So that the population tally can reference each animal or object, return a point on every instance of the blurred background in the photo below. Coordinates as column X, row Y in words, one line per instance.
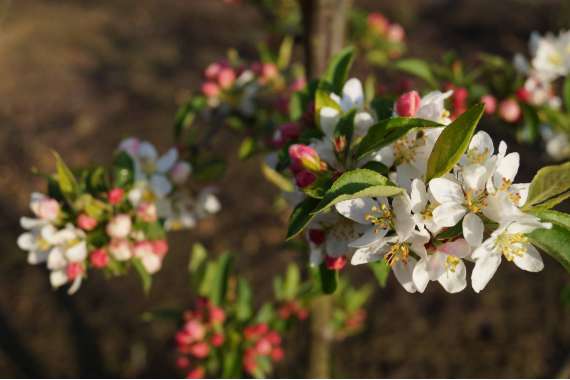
column 77, row 76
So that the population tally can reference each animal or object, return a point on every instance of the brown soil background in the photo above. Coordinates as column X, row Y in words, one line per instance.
column 78, row 76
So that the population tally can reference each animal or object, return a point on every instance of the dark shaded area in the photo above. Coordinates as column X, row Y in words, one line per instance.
column 78, row 76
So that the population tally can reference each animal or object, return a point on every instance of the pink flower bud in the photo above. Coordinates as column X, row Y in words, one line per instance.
column 396, row 33
column 335, row 263
column 160, row 247
column 490, row 103
column 274, row 338
column 217, row 340
column 44, row 207
column 120, row 249
column 460, row 95
column 277, row 354
column 523, row 95
column 210, row 89
column 143, row 248
column 408, row 104
column 115, row 196
column 86, row 222
column 73, row 271
column 305, row 178
column 130, row 145
column 146, row 211
column 263, row 347
column 212, row 71
column 119, row 227
column 268, row 71
column 227, row 77
column 217, row 315
column 316, row 236
column 510, row 110
column 304, row 157
column 200, row 350
column 298, row 85
column 196, row 373
column 378, row 22
column 195, row 330
column 182, row 362
column 99, row 258
column 180, row 172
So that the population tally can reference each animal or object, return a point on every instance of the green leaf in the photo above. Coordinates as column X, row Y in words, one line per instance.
column 383, row 106
column 418, row 68
column 555, row 242
column 146, row 278
column 284, row 55
column 453, row 142
column 97, row 180
column 265, row 313
column 276, row 178
column 65, row 178
column 232, row 364
column 337, row 71
column 197, row 265
column 329, row 279
column 301, row 216
column 292, row 280
column 357, row 183
column 549, row 187
column 566, row 94
column 123, row 170
column 244, row 300
column 378, row 167
column 247, row 148
column 389, row 130
column 381, row 270
column 220, row 280
column 560, row 218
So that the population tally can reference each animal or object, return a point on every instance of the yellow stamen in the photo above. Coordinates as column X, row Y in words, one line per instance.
column 475, row 202
column 451, row 263
column 512, row 245
column 381, row 216
column 398, row 251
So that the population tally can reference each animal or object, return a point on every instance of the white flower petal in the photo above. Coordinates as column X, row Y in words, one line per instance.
column 75, row 286
column 507, row 168
column 352, row 95
column 167, row 161
column 418, row 196
column 357, row 209
column 362, row 123
column 147, row 151
column 473, row 229
column 371, row 236
column 420, row 276
column 531, row 261
column 161, row 186
column 26, row 241
column 474, row 177
column 77, row 252
column 37, row 257
column 484, row 270
column 456, row 281
column 57, row 278
column 446, row 191
column 448, row 215
column 403, row 273
column 329, row 119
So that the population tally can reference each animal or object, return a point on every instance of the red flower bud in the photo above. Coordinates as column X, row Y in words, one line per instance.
column 116, row 195
column 99, row 258
column 490, row 103
column 277, row 354
column 305, row 178
column 86, row 222
column 317, row 236
column 408, row 104
column 335, row 263
column 304, row 157
column 523, row 95
column 510, row 110
column 74, row 270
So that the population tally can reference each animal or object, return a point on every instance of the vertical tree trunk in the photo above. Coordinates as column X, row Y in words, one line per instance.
column 324, row 23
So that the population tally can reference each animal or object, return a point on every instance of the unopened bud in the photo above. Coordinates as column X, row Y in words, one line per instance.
column 335, row 263
column 86, row 222
column 115, row 196
column 408, row 104
column 490, row 103
column 510, row 110
column 304, row 157
column 99, row 258
column 304, row 178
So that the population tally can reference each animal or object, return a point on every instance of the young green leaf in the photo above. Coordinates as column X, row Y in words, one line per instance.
column 247, row 148
column 387, row 131
column 292, row 280
column 323, row 99
column 284, row 55
column 301, row 216
column 555, row 242
column 221, row 278
column 65, row 178
column 418, row 68
column 549, row 187
column 381, row 271
column 123, row 170
column 145, row 277
column 244, row 300
column 453, row 142
column 357, row 183
column 276, row 178
column 197, row 265
column 337, row 72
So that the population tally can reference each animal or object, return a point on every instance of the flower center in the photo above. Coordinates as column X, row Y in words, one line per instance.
column 148, row 166
column 478, row 157
column 380, row 216
column 398, row 251
column 555, row 58
column 43, row 244
column 451, row 263
column 343, row 230
column 405, row 148
column 475, row 202
column 512, row 245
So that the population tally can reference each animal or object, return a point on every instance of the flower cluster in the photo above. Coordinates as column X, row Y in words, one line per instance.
column 380, row 39
column 111, row 224
column 201, row 332
column 292, row 309
column 426, row 230
column 262, row 345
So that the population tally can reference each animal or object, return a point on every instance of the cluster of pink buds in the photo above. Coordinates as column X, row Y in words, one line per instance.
column 219, row 76
column 261, row 342
column 317, row 238
column 353, row 323
column 292, row 309
column 201, row 332
column 381, row 25
column 305, row 164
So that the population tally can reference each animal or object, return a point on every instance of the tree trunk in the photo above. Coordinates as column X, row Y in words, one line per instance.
column 324, row 23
